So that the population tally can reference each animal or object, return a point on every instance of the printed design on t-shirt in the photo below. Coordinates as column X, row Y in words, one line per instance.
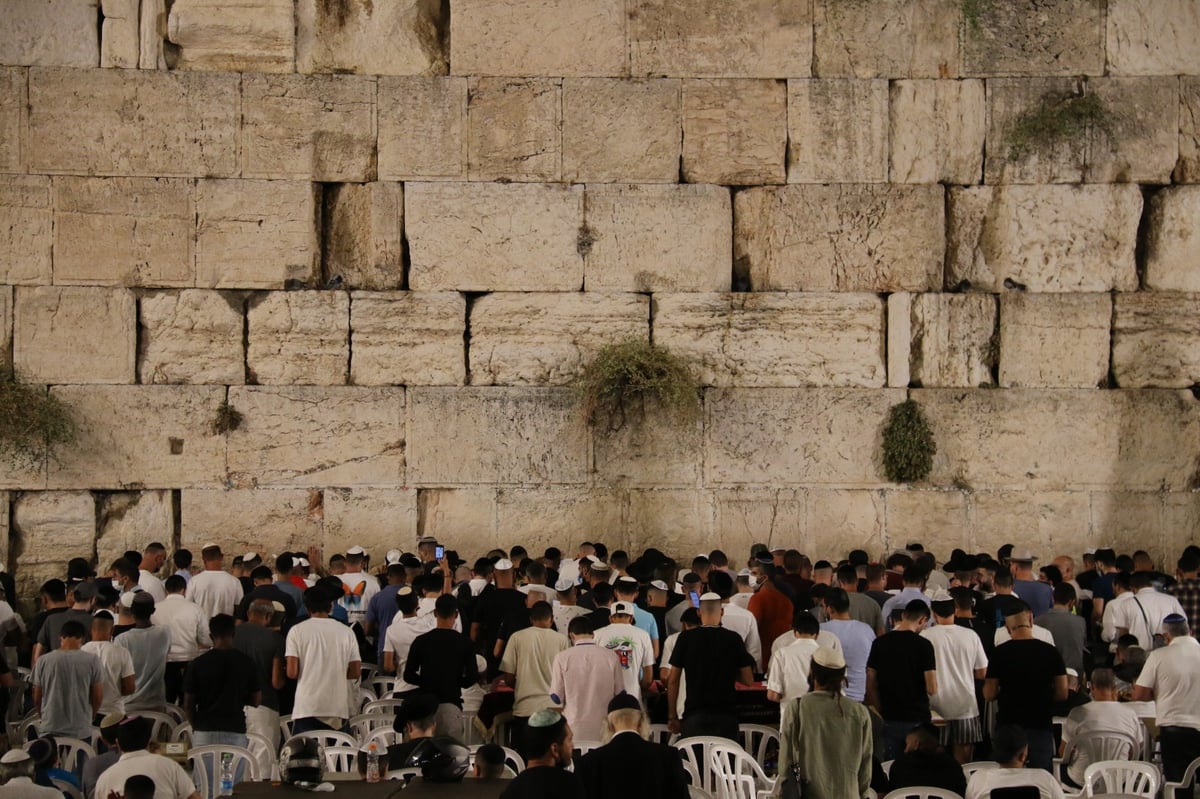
column 354, row 595
column 624, row 649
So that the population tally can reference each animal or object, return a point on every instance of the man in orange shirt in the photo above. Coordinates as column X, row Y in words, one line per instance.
column 770, row 606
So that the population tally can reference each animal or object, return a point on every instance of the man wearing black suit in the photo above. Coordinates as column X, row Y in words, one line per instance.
column 628, row 766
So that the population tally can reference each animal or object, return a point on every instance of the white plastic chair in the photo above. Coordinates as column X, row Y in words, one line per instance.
column 886, row 766
column 362, row 725
column 341, row 759
column 383, row 737
column 368, row 671
column 381, row 685
column 27, row 728
column 67, row 788
column 1132, row 777
column 1186, row 782
column 583, row 747
column 72, row 753
column 662, row 734
column 1097, row 747
column 183, row 733
column 386, row 706
column 263, row 752
column 206, row 761
column 326, row 738
column 176, row 712
column 978, row 765
column 696, row 792
column 737, row 774
column 921, row 792
column 694, row 751
column 365, row 697
column 758, row 740
column 285, row 727
column 162, row 725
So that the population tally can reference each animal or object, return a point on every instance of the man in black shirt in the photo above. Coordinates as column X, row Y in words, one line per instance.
column 416, row 719
column 924, row 763
column 1027, row 676
column 548, row 749
column 442, row 662
column 217, row 687
column 901, row 676
column 713, row 659
column 264, row 646
column 493, row 608
column 995, row 608
column 264, row 588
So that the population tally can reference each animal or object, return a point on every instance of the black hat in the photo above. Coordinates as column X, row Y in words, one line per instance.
column 416, row 706
column 624, row 701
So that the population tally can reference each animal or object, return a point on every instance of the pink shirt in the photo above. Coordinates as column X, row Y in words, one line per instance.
column 585, row 678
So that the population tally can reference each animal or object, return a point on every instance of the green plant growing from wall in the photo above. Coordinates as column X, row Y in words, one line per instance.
column 227, row 419
column 624, row 377
column 908, row 445
column 1057, row 118
column 33, row 422
column 973, row 11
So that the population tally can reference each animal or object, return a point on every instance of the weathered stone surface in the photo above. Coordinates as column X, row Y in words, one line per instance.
column 133, row 520
column 1048, row 522
column 514, row 129
column 192, row 336
column 776, row 339
column 546, row 338
column 141, row 437
column 937, row 130
column 52, row 33
column 250, row 36
column 1156, row 340
column 318, row 127
column 734, row 131
column 152, row 35
column 1188, row 168
column 255, row 234
column 669, row 519
column 899, row 339
column 1045, row 238
column 938, row 519
column 887, row 39
column 1172, row 244
column 75, row 335
column 310, row 436
column 14, row 118
column 264, row 520
column 123, row 231
column 458, row 514
column 363, row 242
column 953, row 339
column 422, row 128
column 1153, row 37
column 844, row 520
column 840, row 238
column 48, row 529
column 657, row 238
column 1057, row 37
column 556, row 517
column 395, row 38
column 1062, row 439
column 377, row 519
column 501, row 436
column 838, row 131
column 651, row 449
column 6, row 326
column 572, row 38
column 1181, row 516
column 493, row 237
column 1054, row 340
column 120, row 38
column 26, row 224
column 1129, row 521
column 1136, row 142
column 80, row 122
column 713, row 38
column 407, row 338
column 744, row 517
column 5, row 515
column 620, row 130
column 299, row 338
column 777, row 436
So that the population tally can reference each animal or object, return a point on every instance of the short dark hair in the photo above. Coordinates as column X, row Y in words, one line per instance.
column 126, row 568
column 541, row 611
column 133, row 734
column 602, row 593
column 408, row 602
column 55, row 589
column 285, row 563
column 690, row 616
column 222, row 625
column 490, row 758
column 445, row 606
column 318, row 600
column 837, row 600
column 139, row 786
column 1004, row 579
column 805, row 623
column 847, row 575
column 72, row 629
column 899, row 561
column 720, row 583
column 1189, row 562
column 915, row 610
column 538, row 740
column 1007, row 742
column 175, row 584
column 914, row 575
column 1063, row 593
column 182, row 558
column 261, row 573
column 580, row 625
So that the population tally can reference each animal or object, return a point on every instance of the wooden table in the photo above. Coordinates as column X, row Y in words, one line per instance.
column 467, row 789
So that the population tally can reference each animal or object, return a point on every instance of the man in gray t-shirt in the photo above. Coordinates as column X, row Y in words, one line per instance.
column 148, row 646
column 68, row 686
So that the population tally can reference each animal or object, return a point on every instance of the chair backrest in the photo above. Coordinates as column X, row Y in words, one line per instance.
column 365, row 697
column 760, row 741
column 285, row 727
column 183, row 733
column 513, row 760
column 386, row 706
column 886, row 766
column 364, row 724
column 264, row 752
column 67, row 788
column 1015, row 792
column 383, row 737
column 27, row 729
column 73, row 753
column 162, row 725
column 381, row 685
column 1186, row 781
column 921, row 792
column 175, row 712
column 206, row 767
column 696, row 792
column 341, row 759
column 694, row 751
column 737, row 774
column 328, row 738
column 1101, row 746
column 977, row 765
column 1121, row 776
column 368, row 671
column 661, row 733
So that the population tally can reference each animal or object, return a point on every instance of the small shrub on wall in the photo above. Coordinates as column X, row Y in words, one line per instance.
column 33, row 422
column 623, row 378
column 908, row 445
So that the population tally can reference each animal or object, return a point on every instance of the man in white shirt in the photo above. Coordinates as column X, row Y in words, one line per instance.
column 214, row 589
column 188, row 624
column 400, row 634
column 565, row 608
column 115, row 662
column 322, row 655
column 153, row 559
column 632, row 645
column 960, row 661
column 1122, row 593
column 16, row 774
column 1171, row 678
column 170, row 780
column 1010, row 747
column 359, row 587
column 787, row 674
column 1143, row 614
column 1104, row 714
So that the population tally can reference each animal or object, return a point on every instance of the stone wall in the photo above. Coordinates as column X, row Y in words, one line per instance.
column 390, row 233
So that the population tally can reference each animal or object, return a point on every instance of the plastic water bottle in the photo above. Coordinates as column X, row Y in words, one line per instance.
column 373, row 764
column 226, row 774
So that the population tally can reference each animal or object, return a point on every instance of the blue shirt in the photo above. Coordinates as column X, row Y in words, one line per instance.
column 645, row 620
column 1039, row 596
column 380, row 611
column 901, row 600
column 289, row 588
column 856, row 638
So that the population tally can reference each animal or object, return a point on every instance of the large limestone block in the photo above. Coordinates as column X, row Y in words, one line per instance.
column 361, row 36
column 422, row 128
column 1156, row 340
column 48, row 529
column 255, row 234
column 1181, row 517
column 152, row 35
column 937, row 519
column 1153, row 37
column 243, row 520
column 557, row 517
column 841, row 520
column 463, row 517
column 52, row 33
column 123, row 231
column 299, row 338
column 247, row 36
column 776, row 339
column 120, row 36
column 837, row 131
column 734, row 131
column 620, row 130
column 657, row 238
column 546, row 338
column 131, row 521
column 5, row 515
column 1129, row 521
column 648, row 448
column 748, row 516
column 514, row 129
column 127, row 122
column 377, row 519
column 550, row 38
column 1043, row 238
column 192, row 336
column 1048, row 522
column 674, row 520
column 1136, row 141
column 937, row 131
column 1172, row 243
column 1055, row 37
column 75, row 335
column 716, row 39
column 953, row 339
column 26, row 230
column 309, row 436
column 407, row 338
column 887, row 38
column 779, row 436
column 1054, row 340
column 1061, row 439
column 840, row 238
column 1188, row 168
column 500, row 435
column 362, row 241
column 6, row 326
column 318, row 127
column 141, row 437
column 493, row 237
column 14, row 118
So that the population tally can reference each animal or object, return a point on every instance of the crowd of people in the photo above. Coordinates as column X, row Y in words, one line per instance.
column 869, row 662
